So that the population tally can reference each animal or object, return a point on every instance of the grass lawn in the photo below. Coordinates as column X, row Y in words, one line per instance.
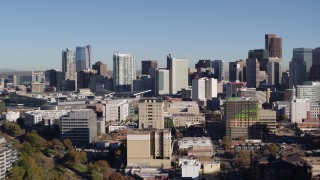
column 79, row 167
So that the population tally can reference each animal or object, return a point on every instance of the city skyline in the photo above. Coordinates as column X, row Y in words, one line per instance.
column 35, row 33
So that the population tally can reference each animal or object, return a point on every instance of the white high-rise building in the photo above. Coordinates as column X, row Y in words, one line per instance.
column 124, row 72
column 178, row 73
column 204, row 88
column 162, row 81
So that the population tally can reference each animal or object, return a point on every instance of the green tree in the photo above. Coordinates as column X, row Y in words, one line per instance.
column 33, row 171
column 17, row 172
column 2, row 107
column 12, row 129
column 27, row 149
column 36, row 140
column 82, row 156
column 56, row 144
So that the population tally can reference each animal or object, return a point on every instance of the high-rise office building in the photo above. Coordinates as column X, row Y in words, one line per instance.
column 162, row 81
column 298, row 65
column 204, row 88
column 83, row 58
column 147, row 65
column 218, row 66
column 149, row 147
column 85, row 76
column 315, row 68
column 274, row 71
column 101, row 68
column 204, row 63
column 80, row 126
column 237, row 71
column 255, row 77
column 124, row 72
column 69, row 73
column 241, row 114
column 261, row 55
column 178, row 73
column 54, row 77
column 151, row 113
column 274, row 45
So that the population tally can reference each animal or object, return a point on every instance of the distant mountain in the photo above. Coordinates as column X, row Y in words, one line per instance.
column 6, row 70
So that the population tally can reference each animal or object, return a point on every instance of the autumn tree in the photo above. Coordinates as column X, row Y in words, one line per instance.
column 243, row 159
column 12, row 129
column 272, row 148
column 226, row 142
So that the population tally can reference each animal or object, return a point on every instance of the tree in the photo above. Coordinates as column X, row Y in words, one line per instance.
column 12, row 129
column 82, row 156
column 243, row 159
column 36, row 140
column 56, row 144
column 33, row 171
column 17, row 172
column 2, row 107
column 68, row 144
column 226, row 141
column 272, row 148
column 27, row 149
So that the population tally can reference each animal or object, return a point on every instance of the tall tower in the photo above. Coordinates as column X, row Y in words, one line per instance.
column 218, row 66
column 83, row 57
column 315, row 68
column 178, row 73
column 274, row 45
column 69, row 80
column 147, row 65
column 124, row 72
column 299, row 65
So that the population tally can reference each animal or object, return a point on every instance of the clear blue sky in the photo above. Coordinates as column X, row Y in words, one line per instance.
column 33, row 33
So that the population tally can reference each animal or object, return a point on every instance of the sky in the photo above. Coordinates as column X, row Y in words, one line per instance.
column 33, row 33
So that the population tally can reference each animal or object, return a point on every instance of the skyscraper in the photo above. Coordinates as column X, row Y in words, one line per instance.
column 101, row 68
column 274, row 45
column 69, row 75
column 85, row 76
column 218, row 66
column 315, row 68
column 83, row 57
column 124, row 72
column 162, row 85
column 237, row 71
column 204, row 88
column 255, row 77
column 298, row 65
column 147, row 65
column 261, row 55
column 178, row 73
column 274, row 71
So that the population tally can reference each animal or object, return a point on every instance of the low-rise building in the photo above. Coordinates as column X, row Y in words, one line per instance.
column 149, row 147
column 10, row 116
column 182, row 120
column 193, row 142
column 45, row 117
column 190, row 167
column 117, row 110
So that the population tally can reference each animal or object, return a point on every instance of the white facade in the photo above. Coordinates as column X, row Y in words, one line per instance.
column 311, row 92
column 188, row 142
column 299, row 110
column 112, row 128
column 162, row 81
column 204, row 88
column 37, row 116
column 124, row 72
column 190, row 168
column 183, row 120
column 10, row 116
column 117, row 110
column 178, row 74
column 8, row 155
